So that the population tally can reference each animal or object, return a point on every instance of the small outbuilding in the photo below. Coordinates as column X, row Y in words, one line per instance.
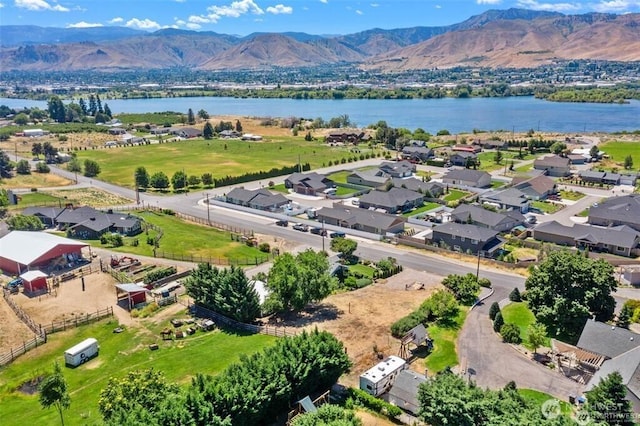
column 34, row 281
column 129, row 295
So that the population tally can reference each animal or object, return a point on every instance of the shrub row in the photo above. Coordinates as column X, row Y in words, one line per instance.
column 159, row 274
column 359, row 398
column 249, row 177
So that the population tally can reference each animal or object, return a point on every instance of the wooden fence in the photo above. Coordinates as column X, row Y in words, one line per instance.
column 220, row 319
column 26, row 346
column 24, row 317
column 76, row 321
column 235, row 261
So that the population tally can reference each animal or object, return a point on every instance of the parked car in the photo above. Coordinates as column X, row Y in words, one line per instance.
column 337, row 235
column 319, row 231
column 301, row 227
column 284, row 223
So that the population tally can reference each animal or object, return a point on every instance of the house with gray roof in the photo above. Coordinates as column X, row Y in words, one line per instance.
column 259, row 199
column 476, row 215
column 430, row 189
column 553, row 165
column 507, row 199
column 591, row 176
column 308, row 183
column 397, row 169
column 361, row 219
column 404, row 391
column 467, row 238
column 372, row 178
column 392, row 201
column 417, row 153
column 615, row 211
column 47, row 215
column 89, row 223
column 463, row 158
column 620, row 240
column 467, row 177
column 537, row 187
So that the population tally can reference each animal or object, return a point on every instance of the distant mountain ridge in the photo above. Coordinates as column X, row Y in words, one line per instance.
column 496, row 38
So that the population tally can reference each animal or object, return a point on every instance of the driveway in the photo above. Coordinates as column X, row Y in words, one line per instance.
column 491, row 363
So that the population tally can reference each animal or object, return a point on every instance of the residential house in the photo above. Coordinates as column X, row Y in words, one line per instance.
column 89, row 223
column 611, row 179
column 259, row 199
column 621, row 240
column 615, row 211
column 398, row 169
column 188, row 132
column 117, row 131
column 463, row 158
column 308, row 183
column 47, row 215
column 577, row 159
column 553, row 165
column 417, row 153
column 393, row 201
column 476, row 215
column 537, row 187
column 467, row 177
column 429, row 189
column 591, row 176
column 371, row 178
column 404, row 391
column 361, row 219
column 159, row 130
column 229, row 134
column 345, row 137
column 492, row 144
column 251, row 137
column 467, row 148
column 467, row 238
column 628, row 179
column 507, row 199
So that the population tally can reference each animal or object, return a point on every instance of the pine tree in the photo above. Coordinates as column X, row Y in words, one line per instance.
column 493, row 310
column 207, row 132
column 514, row 296
column 191, row 118
column 498, row 322
column 606, row 402
column 624, row 317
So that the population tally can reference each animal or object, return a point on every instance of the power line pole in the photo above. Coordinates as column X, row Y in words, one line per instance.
column 207, row 201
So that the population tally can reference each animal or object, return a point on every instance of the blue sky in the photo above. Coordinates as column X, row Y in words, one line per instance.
column 242, row 17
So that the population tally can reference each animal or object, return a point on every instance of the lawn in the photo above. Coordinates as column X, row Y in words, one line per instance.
column 427, row 206
column 518, row 313
column 119, row 354
column 524, row 168
column 93, row 197
column 546, row 207
column 583, row 213
column 219, row 157
column 538, row 398
column 340, row 177
column 184, row 238
column 497, row 184
column 455, row 194
column 36, row 199
column 365, row 270
column 279, row 188
column 444, row 338
column 618, row 151
column 571, row 195
column 35, row 180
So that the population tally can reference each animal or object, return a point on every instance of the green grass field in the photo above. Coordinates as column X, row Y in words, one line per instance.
column 617, row 151
column 538, row 398
column 340, row 177
column 184, row 238
column 571, row 195
column 119, row 353
column 444, row 343
column 454, row 195
column 546, row 206
column 518, row 313
column 220, row 158
column 365, row 270
column 36, row 199
column 427, row 206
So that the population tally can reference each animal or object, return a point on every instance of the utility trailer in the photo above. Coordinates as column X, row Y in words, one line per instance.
column 82, row 352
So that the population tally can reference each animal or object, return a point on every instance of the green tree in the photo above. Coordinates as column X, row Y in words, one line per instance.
column 346, row 247
column 23, row 167
column 50, row 152
column 238, row 126
column 567, row 288
column 497, row 157
column 510, row 333
column 628, row 162
column 21, row 222
column 159, row 180
column 624, row 317
column 191, row 118
column 56, row 109
column 328, row 415
column 498, row 322
column 36, row 149
column 607, row 403
column 226, row 291
column 203, row 114
column 464, row 287
column 594, row 151
column 193, row 180
column 179, row 180
column 141, row 177
column 107, row 111
column 207, row 131
column 21, row 119
column 294, row 282
column 536, row 335
column 53, row 392
column 5, row 165
column 493, row 310
column 558, row 147
column 207, row 179
column 515, row 296
column 42, row 167
column 74, row 165
column 91, row 168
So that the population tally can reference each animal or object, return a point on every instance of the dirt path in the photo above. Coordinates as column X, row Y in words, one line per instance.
column 13, row 332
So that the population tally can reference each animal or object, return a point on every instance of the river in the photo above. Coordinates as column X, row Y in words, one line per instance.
column 455, row 115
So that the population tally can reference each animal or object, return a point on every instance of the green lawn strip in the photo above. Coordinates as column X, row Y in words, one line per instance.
column 583, row 213
column 36, row 199
column 342, row 190
column 220, row 158
column 538, row 398
column 618, row 151
column 497, row 184
column 186, row 239
column 279, row 188
column 455, row 194
column 365, row 270
column 119, row 354
column 340, row 177
column 571, row 195
column 546, row 206
column 518, row 313
column 427, row 206
column 444, row 343
column 524, row 168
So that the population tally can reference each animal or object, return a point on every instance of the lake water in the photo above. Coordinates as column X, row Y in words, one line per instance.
column 456, row 115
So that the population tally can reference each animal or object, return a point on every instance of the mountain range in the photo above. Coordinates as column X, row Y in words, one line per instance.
column 497, row 38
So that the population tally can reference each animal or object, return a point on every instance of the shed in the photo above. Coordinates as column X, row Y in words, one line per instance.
column 133, row 294
column 34, row 281
column 404, row 392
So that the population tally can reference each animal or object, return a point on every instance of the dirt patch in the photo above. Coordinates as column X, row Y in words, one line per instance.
column 31, row 387
column 369, row 419
column 89, row 197
column 13, row 331
column 35, row 180
column 361, row 319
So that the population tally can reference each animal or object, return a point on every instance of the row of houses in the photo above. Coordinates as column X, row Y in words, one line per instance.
column 86, row 222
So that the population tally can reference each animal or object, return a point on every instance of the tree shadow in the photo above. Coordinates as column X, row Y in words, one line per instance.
column 312, row 314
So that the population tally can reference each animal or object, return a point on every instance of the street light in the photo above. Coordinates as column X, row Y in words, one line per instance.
column 207, row 201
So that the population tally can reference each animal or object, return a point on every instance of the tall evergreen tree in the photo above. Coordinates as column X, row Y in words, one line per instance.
column 607, row 403
column 107, row 110
column 93, row 107
column 83, row 106
column 141, row 177
column 56, row 109
column 207, row 132
column 191, row 118
column 99, row 105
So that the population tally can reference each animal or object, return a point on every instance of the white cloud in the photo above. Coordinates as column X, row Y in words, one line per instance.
column 1, row 5
column 488, row 1
column 552, row 7
column 234, row 10
column 193, row 26
column 195, row 19
column 115, row 20
column 180, row 1
column 374, row 5
column 83, row 24
column 359, row 12
column 39, row 5
column 437, row 6
column 324, row 1
column 143, row 24
column 614, row 6
column 280, row 9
